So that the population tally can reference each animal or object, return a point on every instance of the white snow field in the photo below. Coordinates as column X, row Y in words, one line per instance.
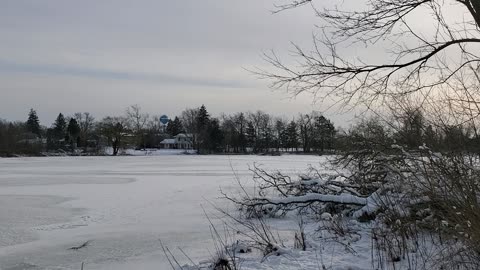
column 121, row 205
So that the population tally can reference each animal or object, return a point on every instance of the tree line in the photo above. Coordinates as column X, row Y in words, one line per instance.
column 240, row 133
column 244, row 132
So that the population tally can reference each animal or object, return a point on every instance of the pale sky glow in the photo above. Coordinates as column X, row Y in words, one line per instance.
column 101, row 56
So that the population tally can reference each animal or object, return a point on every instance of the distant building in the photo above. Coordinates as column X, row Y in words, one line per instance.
column 180, row 141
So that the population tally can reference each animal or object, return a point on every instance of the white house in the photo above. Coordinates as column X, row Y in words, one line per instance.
column 180, row 141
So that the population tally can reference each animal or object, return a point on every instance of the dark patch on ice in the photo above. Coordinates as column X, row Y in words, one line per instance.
column 81, row 246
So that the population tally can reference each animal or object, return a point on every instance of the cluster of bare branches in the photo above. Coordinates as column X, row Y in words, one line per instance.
column 422, row 56
column 277, row 194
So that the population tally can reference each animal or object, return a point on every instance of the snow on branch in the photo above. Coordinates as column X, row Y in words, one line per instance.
column 310, row 198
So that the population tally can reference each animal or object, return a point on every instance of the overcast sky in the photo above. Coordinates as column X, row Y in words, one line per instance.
column 102, row 56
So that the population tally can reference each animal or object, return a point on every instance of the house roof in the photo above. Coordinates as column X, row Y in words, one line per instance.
column 168, row 141
column 183, row 135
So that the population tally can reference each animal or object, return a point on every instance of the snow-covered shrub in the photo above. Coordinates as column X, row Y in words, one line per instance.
column 412, row 199
column 426, row 201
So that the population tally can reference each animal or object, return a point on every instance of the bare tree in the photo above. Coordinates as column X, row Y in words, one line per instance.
column 137, row 121
column 420, row 61
column 262, row 126
column 113, row 129
column 86, row 123
column 189, row 121
column 154, row 124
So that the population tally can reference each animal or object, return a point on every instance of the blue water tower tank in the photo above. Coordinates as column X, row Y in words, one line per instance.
column 164, row 119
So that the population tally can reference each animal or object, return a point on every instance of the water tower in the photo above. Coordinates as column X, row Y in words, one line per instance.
column 163, row 122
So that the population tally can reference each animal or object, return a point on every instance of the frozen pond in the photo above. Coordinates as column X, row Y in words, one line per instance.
column 121, row 205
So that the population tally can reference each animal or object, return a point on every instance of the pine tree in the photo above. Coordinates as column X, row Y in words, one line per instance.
column 216, row 136
column 73, row 131
column 174, row 127
column 324, row 133
column 202, row 118
column 202, row 125
column 33, row 124
column 60, row 127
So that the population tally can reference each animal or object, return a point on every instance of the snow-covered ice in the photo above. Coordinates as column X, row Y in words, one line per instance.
column 121, row 205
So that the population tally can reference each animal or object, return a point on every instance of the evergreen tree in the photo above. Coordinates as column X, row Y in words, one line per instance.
column 324, row 133
column 202, row 119
column 202, row 125
column 73, row 131
column 215, row 135
column 33, row 124
column 57, row 134
column 60, row 127
column 174, row 127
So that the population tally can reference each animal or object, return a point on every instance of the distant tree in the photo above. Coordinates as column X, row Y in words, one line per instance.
column 154, row 125
column 411, row 128
column 73, row 132
column 154, row 131
column 203, row 118
column 33, row 124
column 60, row 127
column 370, row 133
column 324, row 133
column 455, row 138
column 241, row 124
column 267, row 137
column 86, row 122
column 189, row 121
column 291, row 137
column 202, row 125
column 431, row 137
column 233, row 128
column 57, row 134
column 136, row 121
column 174, row 127
column 229, row 130
column 11, row 134
column 215, row 136
column 280, row 132
column 113, row 129
column 265, row 131
column 306, row 127
column 260, row 123
column 251, row 135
